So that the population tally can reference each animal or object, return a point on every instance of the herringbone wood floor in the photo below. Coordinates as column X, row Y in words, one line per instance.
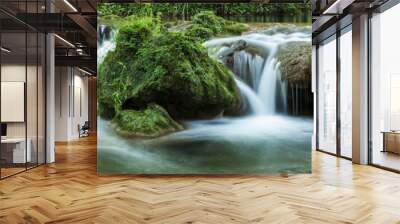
column 70, row 191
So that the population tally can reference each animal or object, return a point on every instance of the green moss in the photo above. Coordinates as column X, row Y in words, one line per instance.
column 235, row 28
column 132, row 35
column 153, row 121
column 172, row 69
column 218, row 25
column 202, row 33
column 114, row 78
column 208, row 19
column 295, row 59
column 175, row 71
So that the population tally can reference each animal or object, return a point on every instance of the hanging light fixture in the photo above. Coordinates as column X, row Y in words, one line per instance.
column 5, row 50
column 70, row 5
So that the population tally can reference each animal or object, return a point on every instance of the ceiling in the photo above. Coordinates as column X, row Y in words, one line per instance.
column 74, row 22
column 332, row 15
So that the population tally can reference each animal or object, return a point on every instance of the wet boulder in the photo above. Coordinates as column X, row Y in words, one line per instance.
column 295, row 62
column 177, row 73
column 152, row 121
column 169, row 69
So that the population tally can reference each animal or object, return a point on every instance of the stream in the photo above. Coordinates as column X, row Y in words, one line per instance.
column 265, row 139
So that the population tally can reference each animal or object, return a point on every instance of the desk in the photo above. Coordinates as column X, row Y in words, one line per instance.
column 391, row 141
column 18, row 150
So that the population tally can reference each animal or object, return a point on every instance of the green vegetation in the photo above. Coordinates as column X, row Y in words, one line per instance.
column 295, row 61
column 186, row 10
column 235, row 28
column 160, row 72
column 206, row 25
column 176, row 72
column 152, row 121
column 132, row 35
column 171, row 69
column 202, row 33
column 207, row 19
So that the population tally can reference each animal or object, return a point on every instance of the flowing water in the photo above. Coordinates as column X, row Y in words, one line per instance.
column 263, row 140
column 106, row 43
column 259, row 69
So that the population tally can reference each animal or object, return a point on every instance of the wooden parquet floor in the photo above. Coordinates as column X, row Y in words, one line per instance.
column 70, row 191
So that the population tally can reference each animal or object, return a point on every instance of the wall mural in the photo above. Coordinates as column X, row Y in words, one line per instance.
column 204, row 88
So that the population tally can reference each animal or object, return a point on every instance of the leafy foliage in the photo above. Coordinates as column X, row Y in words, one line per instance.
column 132, row 35
column 207, row 19
column 235, row 28
column 202, row 33
column 185, row 10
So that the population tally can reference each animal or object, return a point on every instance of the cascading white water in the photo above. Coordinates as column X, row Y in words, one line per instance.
column 105, row 42
column 257, row 73
column 248, row 67
column 267, row 86
column 250, row 144
column 255, row 103
column 259, row 70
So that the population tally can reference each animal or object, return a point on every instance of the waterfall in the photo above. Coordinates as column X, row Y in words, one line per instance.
column 283, row 93
column 105, row 42
column 255, row 64
column 248, row 67
column 268, row 84
column 254, row 102
column 251, row 57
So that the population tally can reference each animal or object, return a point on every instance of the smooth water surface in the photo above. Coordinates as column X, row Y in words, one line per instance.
column 254, row 144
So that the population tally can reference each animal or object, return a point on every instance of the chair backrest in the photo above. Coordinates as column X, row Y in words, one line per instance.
column 86, row 125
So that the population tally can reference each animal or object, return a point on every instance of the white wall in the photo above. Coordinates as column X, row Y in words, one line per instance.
column 71, row 102
column 33, row 126
column 17, row 73
column 12, row 73
column 62, row 81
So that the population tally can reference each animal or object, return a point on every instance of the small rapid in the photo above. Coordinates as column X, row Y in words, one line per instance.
column 261, row 141
column 255, row 63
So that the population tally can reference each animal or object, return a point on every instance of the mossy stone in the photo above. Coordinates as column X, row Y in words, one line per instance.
column 209, row 20
column 295, row 62
column 202, row 33
column 152, row 121
column 170, row 69
column 175, row 71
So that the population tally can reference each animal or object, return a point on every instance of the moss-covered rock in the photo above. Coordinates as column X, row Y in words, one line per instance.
column 235, row 28
column 295, row 62
column 175, row 71
column 202, row 33
column 209, row 20
column 132, row 35
column 153, row 121
column 170, row 69
column 114, row 79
